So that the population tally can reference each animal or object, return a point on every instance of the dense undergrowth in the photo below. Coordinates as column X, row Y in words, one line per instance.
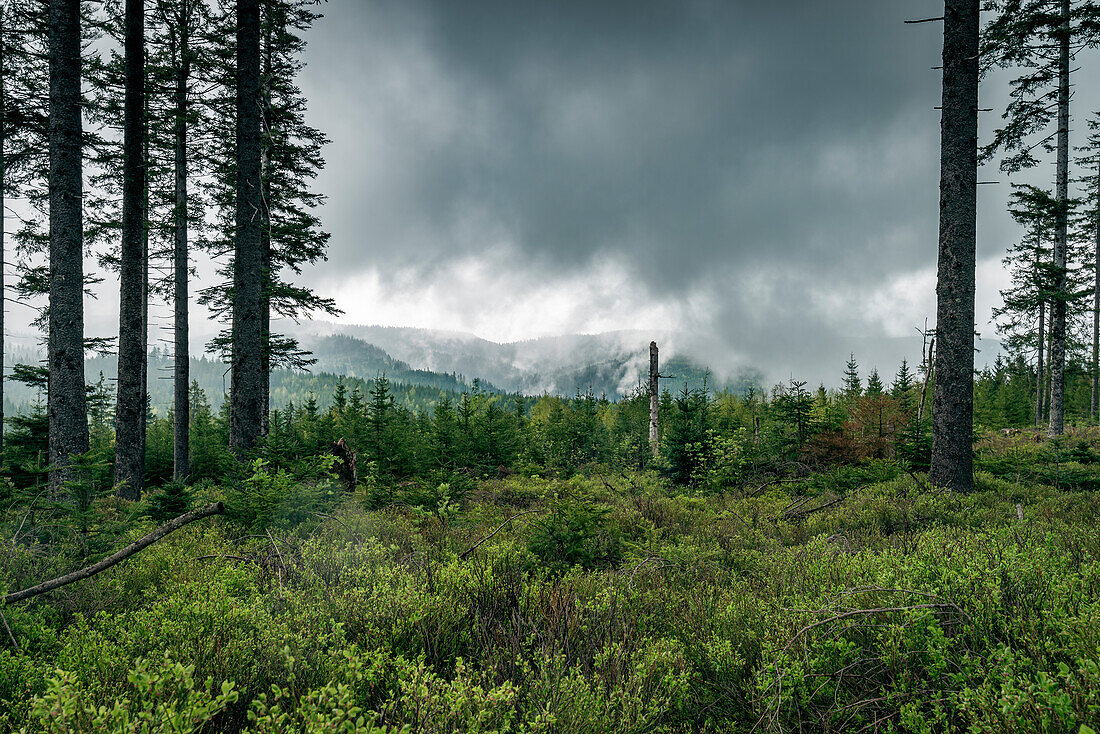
column 852, row 599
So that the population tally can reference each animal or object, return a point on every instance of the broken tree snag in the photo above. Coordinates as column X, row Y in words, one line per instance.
column 928, row 368
column 135, row 547
column 345, row 464
column 653, row 378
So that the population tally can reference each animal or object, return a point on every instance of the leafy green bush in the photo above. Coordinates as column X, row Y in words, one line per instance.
column 268, row 499
column 172, row 500
column 161, row 700
column 576, row 533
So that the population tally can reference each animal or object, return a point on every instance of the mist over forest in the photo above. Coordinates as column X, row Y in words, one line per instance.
column 664, row 366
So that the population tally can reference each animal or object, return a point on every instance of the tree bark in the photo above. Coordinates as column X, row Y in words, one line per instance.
column 3, row 186
column 130, row 409
column 265, row 220
column 1094, row 411
column 67, row 401
column 181, row 377
column 246, row 399
column 953, row 395
column 654, row 377
column 85, row 573
column 1061, row 226
column 1040, row 381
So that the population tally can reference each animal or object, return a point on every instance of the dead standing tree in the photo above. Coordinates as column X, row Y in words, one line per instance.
column 654, row 377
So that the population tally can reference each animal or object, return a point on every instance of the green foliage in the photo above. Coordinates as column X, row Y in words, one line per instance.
column 615, row 603
column 272, row 499
column 161, row 700
column 530, row 568
column 576, row 532
column 172, row 500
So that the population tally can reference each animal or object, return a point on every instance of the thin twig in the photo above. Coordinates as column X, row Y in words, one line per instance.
column 462, row 556
column 15, row 538
column 227, row 555
column 354, row 535
column 10, row 635
column 862, row 612
column 641, row 564
column 280, row 555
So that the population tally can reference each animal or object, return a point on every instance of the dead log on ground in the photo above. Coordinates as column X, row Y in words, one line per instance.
column 135, row 547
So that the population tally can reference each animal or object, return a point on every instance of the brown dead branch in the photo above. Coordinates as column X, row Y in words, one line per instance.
column 463, row 555
column 136, row 547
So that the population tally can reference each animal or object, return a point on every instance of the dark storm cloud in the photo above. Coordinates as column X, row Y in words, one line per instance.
column 697, row 141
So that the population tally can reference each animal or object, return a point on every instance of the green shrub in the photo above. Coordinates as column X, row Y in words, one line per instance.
column 161, row 700
column 267, row 499
column 172, row 500
column 576, row 533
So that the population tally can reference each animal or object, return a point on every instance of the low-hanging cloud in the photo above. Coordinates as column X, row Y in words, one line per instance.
column 736, row 171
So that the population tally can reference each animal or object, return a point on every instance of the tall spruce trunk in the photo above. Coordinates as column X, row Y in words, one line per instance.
column 130, row 409
column 181, row 376
column 1040, row 377
column 953, row 395
column 143, row 415
column 67, row 402
column 265, row 224
column 1040, row 366
column 3, row 186
column 1061, row 227
column 246, row 399
column 1094, row 411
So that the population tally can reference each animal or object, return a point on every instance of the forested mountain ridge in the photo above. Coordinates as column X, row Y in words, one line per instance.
column 357, row 364
column 611, row 363
column 340, row 356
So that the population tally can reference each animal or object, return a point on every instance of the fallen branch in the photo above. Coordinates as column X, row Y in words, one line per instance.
column 756, row 491
column 864, row 612
column 11, row 637
column 354, row 535
column 135, row 547
column 792, row 514
column 462, row 556
column 226, row 555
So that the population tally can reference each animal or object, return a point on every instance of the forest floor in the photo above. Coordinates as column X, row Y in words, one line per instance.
column 855, row 599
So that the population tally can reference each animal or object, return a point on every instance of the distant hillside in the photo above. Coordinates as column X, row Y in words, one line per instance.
column 340, row 359
column 612, row 363
column 424, row 365
column 345, row 355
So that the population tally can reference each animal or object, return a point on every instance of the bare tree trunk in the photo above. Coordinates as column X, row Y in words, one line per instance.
column 246, row 398
column 3, row 186
column 1040, row 383
column 143, row 416
column 654, row 377
column 1061, row 223
column 181, row 377
column 67, row 402
column 953, row 394
column 265, row 221
column 129, row 458
column 1094, row 411
column 928, row 371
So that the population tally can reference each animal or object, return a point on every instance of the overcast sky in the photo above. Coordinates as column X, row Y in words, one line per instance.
column 759, row 177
